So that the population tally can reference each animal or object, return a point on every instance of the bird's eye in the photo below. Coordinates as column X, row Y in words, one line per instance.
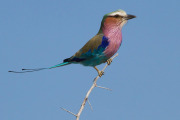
column 116, row 16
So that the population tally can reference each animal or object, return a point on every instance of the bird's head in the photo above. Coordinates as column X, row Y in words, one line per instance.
column 117, row 18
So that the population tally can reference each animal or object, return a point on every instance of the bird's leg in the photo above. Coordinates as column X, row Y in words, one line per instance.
column 100, row 73
column 109, row 61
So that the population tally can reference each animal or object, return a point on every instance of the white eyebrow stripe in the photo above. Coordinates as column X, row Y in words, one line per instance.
column 121, row 13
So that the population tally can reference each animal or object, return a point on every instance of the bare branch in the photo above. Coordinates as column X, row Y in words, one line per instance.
column 90, row 90
column 88, row 93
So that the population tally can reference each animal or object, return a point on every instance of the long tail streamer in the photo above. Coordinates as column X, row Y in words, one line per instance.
column 38, row 69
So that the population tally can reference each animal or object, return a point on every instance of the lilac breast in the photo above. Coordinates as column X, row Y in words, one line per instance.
column 115, row 38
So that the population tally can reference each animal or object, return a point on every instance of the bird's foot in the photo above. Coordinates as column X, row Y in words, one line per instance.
column 100, row 73
column 109, row 61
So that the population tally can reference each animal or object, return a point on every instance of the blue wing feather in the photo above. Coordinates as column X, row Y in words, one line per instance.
column 104, row 42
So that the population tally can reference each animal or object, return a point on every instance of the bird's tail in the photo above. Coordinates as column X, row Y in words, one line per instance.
column 38, row 69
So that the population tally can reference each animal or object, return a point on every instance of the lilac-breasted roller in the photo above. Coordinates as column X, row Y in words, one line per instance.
column 101, row 47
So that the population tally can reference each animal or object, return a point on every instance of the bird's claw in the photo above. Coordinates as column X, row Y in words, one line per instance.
column 109, row 61
column 100, row 73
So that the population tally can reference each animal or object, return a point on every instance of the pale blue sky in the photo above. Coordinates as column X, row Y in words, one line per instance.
column 145, row 77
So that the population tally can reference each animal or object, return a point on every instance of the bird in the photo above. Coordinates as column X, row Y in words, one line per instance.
column 100, row 48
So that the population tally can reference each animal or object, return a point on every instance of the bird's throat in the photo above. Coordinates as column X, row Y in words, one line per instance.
column 111, row 27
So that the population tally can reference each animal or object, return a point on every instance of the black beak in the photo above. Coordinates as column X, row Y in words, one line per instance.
column 130, row 17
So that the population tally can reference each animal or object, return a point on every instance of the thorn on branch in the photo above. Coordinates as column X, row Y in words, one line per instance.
column 68, row 111
column 104, row 88
column 90, row 104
